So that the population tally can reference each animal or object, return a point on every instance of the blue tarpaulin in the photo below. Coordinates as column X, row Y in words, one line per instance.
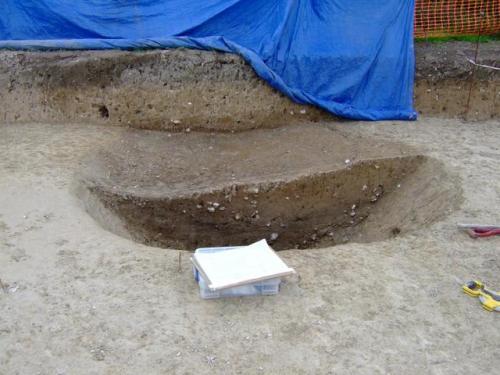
column 354, row 58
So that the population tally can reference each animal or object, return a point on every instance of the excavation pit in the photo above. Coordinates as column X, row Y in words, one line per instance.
column 298, row 187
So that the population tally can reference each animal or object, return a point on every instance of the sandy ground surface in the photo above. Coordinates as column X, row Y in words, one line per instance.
column 77, row 299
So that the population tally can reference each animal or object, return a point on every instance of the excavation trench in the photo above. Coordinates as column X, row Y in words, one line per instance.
column 301, row 187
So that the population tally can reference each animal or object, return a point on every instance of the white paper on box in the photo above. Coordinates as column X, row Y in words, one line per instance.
column 240, row 265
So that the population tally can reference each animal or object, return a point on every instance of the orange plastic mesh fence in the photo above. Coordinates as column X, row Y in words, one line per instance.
column 437, row 18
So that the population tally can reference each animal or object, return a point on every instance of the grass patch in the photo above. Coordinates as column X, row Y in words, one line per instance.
column 465, row 38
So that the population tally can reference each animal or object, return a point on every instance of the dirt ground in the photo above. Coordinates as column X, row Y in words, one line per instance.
column 78, row 299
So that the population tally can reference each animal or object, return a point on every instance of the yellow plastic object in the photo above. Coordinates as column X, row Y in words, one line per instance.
column 489, row 300
column 473, row 288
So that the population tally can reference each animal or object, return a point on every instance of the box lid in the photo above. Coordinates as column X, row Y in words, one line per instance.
column 240, row 265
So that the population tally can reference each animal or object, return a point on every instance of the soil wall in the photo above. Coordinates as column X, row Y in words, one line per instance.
column 179, row 89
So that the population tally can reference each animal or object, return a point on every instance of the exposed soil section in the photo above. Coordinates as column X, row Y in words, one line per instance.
column 160, row 89
column 299, row 187
column 179, row 89
column 444, row 78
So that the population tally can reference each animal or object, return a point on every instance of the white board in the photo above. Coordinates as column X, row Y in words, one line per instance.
column 240, row 265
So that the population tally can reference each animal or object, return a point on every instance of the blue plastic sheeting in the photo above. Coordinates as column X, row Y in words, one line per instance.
column 354, row 58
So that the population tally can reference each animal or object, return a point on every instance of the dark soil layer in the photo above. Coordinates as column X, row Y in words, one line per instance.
column 298, row 187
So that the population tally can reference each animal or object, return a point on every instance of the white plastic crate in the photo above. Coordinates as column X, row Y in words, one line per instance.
column 265, row 287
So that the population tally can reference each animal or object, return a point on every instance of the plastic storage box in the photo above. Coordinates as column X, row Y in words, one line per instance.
column 260, row 288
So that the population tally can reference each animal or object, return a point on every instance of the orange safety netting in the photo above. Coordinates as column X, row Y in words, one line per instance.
column 437, row 18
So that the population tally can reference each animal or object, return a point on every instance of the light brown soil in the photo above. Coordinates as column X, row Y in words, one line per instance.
column 81, row 300
column 444, row 79
column 167, row 89
column 76, row 298
column 179, row 89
